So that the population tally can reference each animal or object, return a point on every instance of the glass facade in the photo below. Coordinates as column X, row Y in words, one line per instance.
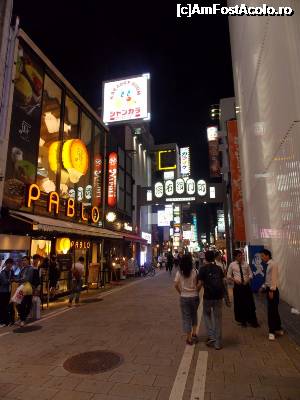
column 54, row 142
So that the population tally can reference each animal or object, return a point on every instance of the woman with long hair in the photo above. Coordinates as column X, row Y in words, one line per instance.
column 186, row 284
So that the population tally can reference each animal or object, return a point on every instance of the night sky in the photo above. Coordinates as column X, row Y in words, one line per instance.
column 189, row 58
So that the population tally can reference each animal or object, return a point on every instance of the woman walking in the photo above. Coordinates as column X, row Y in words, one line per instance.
column 186, row 284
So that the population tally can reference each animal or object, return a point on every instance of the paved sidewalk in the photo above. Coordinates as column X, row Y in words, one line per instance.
column 142, row 322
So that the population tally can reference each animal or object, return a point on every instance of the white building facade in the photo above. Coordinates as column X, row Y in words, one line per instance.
column 266, row 67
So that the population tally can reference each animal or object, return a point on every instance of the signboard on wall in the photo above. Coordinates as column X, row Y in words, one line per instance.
column 213, row 150
column 185, row 161
column 221, row 221
column 126, row 99
column 236, row 182
column 164, row 217
column 112, row 179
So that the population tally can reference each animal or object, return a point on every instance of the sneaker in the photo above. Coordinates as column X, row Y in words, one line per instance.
column 271, row 336
column 2, row 325
column 279, row 333
column 218, row 346
column 210, row 342
column 22, row 323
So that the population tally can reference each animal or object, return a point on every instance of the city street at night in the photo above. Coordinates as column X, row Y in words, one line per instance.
column 140, row 321
column 149, row 200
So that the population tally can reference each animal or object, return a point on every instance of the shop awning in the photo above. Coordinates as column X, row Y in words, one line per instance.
column 47, row 224
column 134, row 238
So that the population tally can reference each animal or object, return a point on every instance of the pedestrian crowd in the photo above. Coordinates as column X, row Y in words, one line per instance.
column 214, row 277
column 20, row 289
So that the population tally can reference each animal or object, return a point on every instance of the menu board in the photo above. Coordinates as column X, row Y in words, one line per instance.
column 65, row 262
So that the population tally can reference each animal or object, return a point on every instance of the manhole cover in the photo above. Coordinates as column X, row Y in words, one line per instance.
column 91, row 300
column 26, row 329
column 93, row 362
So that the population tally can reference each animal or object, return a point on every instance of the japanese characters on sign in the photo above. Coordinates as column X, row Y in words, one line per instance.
column 169, row 187
column 158, row 190
column 181, row 187
column 236, row 182
column 112, row 179
column 147, row 236
column 185, row 162
column 97, row 180
column 126, row 99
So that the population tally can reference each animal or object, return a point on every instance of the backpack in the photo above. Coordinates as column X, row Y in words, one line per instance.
column 214, row 285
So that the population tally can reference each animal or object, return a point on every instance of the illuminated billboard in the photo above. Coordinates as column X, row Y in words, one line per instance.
column 166, row 160
column 185, row 161
column 213, row 150
column 164, row 217
column 126, row 99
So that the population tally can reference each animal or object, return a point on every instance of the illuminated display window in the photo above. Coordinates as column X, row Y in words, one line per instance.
column 71, row 120
column 49, row 144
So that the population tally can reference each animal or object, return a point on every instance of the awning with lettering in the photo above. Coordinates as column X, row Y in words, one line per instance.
column 47, row 224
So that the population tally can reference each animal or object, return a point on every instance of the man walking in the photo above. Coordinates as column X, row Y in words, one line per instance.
column 272, row 291
column 26, row 276
column 5, row 292
column 239, row 272
column 77, row 274
column 212, row 278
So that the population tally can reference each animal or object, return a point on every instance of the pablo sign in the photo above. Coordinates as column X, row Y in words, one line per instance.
column 53, row 205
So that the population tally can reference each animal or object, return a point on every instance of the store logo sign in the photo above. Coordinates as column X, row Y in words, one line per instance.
column 112, row 179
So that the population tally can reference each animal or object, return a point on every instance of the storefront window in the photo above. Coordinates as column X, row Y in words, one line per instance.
column 67, row 187
column 49, row 144
column 85, row 189
column 40, row 247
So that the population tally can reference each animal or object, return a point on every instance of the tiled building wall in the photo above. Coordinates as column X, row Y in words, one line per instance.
column 266, row 67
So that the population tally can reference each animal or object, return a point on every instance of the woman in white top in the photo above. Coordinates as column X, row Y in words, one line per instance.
column 186, row 284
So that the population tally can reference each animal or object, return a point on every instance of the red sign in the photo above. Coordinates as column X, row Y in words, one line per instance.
column 112, row 179
column 97, row 180
column 236, row 182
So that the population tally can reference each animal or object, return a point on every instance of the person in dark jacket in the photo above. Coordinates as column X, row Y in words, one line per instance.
column 5, row 292
column 54, row 275
column 170, row 262
column 27, row 274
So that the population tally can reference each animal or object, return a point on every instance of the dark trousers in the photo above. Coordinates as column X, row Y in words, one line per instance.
column 25, row 307
column 274, row 320
column 4, row 308
column 244, row 306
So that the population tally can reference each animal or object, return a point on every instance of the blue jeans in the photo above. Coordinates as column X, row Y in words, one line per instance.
column 212, row 313
column 76, row 289
column 189, row 308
